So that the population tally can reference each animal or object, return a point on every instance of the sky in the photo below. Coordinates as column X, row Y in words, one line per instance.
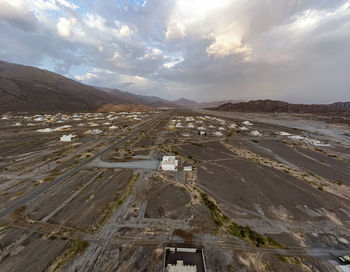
column 207, row 50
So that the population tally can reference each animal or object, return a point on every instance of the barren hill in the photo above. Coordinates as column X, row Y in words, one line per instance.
column 341, row 108
column 29, row 89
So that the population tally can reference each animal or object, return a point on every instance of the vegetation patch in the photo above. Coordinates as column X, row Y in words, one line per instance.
column 77, row 247
column 242, row 232
column 245, row 233
column 219, row 218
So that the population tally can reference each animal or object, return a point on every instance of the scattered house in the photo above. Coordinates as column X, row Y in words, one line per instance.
column 45, row 130
column 255, row 133
column 188, row 168
column 202, row 132
column 296, row 138
column 4, row 118
column 221, row 128
column 211, row 126
column 17, row 124
column 171, row 127
column 169, row 163
column 113, row 127
column 186, row 135
column 93, row 131
column 201, row 128
column 282, row 133
column 190, row 125
column 243, row 128
column 61, row 128
column 39, row 119
column 217, row 133
column 247, row 123
column 178, row 125
column 180, row 267
column 233, row 125
column 307, row 140
column 68, row 138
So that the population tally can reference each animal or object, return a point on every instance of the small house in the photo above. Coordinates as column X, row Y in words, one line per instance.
column 255, row 133
column 188, row 168
column 68, row 138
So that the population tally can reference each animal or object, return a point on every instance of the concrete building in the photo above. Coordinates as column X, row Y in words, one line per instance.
column 68, row 138
column 217, row 133
column 202, row 132
column 247, row 123
column 255, row 133
column 169, row 163
column 181, row 267
column 243, row 128
column 188, row 168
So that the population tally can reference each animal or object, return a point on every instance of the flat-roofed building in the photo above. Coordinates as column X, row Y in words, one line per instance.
column 181, row 267
column 169, row 163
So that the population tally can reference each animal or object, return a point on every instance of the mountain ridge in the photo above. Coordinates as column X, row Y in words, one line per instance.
column 277, row 106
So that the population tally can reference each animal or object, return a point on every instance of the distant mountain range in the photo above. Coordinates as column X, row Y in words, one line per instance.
column 272, row 106
column 30, row 89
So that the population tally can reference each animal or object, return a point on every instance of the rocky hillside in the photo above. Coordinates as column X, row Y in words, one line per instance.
column 29, row 89
column 271, row 106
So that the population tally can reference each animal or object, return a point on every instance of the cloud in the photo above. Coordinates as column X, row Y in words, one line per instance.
column 201, row 49
column 228, row 43
column 17, row 14
column 64, row 26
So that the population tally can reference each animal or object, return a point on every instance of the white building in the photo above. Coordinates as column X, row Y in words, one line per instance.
column 202, row 132
column 243, row 128
column 68, row 138
column 188, row 168
column 201, row 128
column 221, row 128
column 217, row 133
column 169, row 163
column 93, row 131
column 233, row 125
column 181, row 267
column 178, row 125
column 247, row 123
column 190, row 125
column 255, row 133
column 282, row 133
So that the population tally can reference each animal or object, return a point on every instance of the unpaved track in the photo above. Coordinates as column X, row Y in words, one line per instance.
column 46, row 186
